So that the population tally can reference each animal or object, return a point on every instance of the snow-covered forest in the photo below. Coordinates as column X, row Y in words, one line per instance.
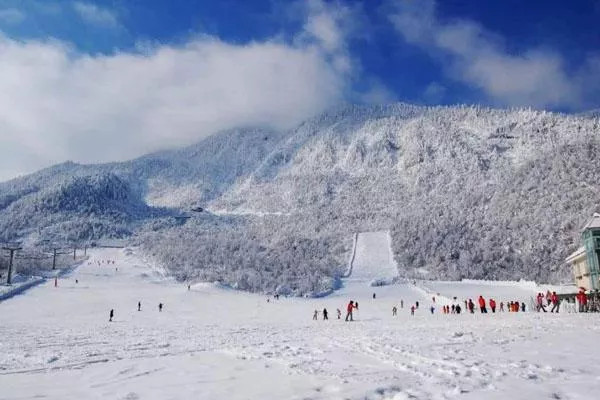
column 467, row 192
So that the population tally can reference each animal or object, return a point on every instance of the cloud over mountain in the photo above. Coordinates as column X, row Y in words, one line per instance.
column 62, row 104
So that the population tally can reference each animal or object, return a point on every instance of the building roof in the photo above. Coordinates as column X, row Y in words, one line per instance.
column 593, row 223
column 576, row 254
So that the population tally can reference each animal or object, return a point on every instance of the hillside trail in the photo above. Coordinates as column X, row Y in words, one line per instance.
column 372, row 265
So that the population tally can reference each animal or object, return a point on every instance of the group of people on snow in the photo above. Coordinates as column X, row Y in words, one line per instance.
column 551, row 298
column 352, row 305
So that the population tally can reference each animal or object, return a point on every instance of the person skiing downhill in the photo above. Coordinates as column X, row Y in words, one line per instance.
column 351, row 306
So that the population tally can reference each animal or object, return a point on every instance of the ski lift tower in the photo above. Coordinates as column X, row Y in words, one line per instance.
column 12, row 248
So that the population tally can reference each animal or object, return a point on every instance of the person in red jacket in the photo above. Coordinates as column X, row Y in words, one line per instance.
column 349, row 310
column 482, row 305
column 555, row 302
column 582, row 299
column 493, row 305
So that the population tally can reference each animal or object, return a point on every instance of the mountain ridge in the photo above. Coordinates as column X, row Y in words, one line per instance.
column 447, row 181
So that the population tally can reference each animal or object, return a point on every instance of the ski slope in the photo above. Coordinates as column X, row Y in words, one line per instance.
column 373, row 258
column 212, row 343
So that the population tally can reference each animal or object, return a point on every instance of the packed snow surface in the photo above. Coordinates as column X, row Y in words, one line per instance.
column 213, row 343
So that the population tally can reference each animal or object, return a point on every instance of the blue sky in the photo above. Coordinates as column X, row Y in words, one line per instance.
column 168, row 72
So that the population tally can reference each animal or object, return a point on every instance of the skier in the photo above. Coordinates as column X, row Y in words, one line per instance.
column 349, row 309
column 339, row 313
column 139, row 306
column 160, row 307
column 315, row 315
column 582, row 299
column 394, row 311
column 493, row 305
column 555, row 302
column 540, row 302
column 111, row 315
column 482, row 305
column 325, row 317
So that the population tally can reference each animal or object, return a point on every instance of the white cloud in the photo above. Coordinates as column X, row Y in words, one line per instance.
column 58, row 104
column 11, row 16
column 96, row 15
column 331, row 26
column 471, row 54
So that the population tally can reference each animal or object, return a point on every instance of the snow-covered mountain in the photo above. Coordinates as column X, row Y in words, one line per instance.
column 466, row 191
column 168, row 179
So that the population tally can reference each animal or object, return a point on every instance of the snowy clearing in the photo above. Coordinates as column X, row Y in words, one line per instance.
column 211, row 343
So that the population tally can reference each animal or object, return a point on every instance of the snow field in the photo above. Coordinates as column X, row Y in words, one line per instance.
column 212, row 343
